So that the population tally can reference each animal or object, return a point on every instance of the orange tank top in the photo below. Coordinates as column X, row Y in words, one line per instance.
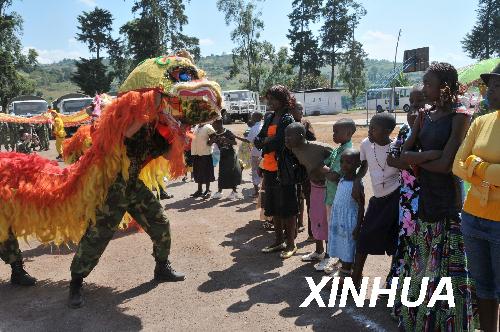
column 269, row 161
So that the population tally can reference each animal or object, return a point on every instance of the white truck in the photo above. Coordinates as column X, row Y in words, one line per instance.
column 240, row 104
column 27, row 107
column 73, row 105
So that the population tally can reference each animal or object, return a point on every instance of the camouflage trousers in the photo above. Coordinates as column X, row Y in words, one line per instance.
column 9, row 250
column 136, row 199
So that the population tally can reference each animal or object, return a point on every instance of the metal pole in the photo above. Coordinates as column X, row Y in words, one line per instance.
column 391, row 104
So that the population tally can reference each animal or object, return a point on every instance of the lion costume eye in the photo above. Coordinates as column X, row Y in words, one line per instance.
column 183, row 74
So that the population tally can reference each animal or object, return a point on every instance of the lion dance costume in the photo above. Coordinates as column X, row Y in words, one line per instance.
column 138, row 140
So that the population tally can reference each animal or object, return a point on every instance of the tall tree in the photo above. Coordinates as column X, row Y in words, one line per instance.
column 158, row 29
column 95, row 30
column 352, row 70
column 92, row 77
column 340, row 16
column 483, row 41
column 281, row 71
column 305, row 52
column 246, row 35
column 118, row 60
column 12, row 81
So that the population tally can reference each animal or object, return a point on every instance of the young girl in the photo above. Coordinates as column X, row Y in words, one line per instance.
column 347, row 215
column 229, row 167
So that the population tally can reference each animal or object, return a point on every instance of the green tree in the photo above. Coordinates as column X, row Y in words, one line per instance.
column 483, row 41
column 304, row 45
column 280, row 72
column 95, row 30
column 312, row 81
column 118, row 61
column 352, row 70
column 158, row 29
column 92, row 77
column 340, row 16
column 249, row 51
column 401, row 80
column 12, row 81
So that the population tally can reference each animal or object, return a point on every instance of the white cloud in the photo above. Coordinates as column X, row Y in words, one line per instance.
column 379, row 45
column 90, row 3
column 456, row 59
column 206, row 42
column 55, row 55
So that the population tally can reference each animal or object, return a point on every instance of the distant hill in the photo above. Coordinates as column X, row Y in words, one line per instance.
column 53, row 80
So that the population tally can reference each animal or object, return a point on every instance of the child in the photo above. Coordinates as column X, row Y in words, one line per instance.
column 229, row 167
column 201, row 151
column 188, row 159
column 255, row 124
column 346, row 216
column 312, row 156
column 342, row 134
column 379, row 231
column 304, row 188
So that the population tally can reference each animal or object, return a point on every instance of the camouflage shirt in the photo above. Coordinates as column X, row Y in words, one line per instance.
column 146, row 144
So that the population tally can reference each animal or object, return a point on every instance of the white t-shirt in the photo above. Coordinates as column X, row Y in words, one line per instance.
column 199, row 146
column 252, row 135
column 385, row 179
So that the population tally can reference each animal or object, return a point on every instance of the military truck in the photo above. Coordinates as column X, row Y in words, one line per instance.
column 240, row 104
column 27, row 106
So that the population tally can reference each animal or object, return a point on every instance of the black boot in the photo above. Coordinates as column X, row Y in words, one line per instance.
column 164, row 195
column 165, row 272
column 19, row 276
column 75, row 292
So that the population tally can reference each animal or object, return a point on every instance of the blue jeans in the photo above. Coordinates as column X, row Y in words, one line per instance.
column 482, row 245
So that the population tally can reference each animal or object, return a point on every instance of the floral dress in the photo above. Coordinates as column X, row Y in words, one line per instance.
column 408, row 214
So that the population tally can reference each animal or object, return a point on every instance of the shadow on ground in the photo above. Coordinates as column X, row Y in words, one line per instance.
column 51, row 249
column 252, row 268
column 43, row 308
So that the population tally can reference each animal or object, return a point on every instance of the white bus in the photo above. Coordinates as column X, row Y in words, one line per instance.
column 380, row 99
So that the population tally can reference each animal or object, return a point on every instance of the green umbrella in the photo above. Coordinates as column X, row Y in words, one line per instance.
column 470, row 74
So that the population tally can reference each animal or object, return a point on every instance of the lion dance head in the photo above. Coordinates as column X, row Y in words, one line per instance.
column 39, row 199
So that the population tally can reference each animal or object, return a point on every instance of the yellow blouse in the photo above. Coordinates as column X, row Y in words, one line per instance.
column 478, row 162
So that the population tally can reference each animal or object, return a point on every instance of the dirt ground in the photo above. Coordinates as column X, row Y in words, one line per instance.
column 230, row 284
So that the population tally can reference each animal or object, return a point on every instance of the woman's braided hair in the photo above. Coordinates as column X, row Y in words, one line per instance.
column 448, row 76
column 281, row 93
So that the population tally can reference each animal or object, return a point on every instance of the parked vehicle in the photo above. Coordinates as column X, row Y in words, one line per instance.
column 380, row 99
column 27, row 106
column 240, row 104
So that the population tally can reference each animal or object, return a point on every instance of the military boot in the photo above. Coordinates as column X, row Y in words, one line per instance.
column 19, row 276
column 164, row 272
column 75, row 292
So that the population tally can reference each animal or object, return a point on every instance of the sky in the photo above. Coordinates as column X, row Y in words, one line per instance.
column 50, row 26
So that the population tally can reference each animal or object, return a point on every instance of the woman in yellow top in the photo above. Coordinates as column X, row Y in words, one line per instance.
column 59, row 132
column 478, row 162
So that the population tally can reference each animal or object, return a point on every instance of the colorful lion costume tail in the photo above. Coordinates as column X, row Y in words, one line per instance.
column 39, row 199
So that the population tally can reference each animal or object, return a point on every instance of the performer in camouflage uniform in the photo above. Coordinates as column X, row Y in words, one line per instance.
column 43, row 132
column 4, row 135
column 134, row 197
column 10, row 254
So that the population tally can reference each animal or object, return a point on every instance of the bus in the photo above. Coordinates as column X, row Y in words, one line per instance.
column 380, row 99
